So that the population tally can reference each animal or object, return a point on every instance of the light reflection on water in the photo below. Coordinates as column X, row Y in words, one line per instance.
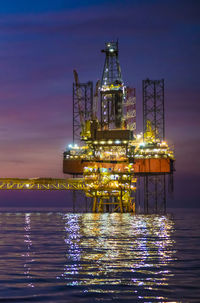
column 118, row 249
column 28, row 255
column 55, row 257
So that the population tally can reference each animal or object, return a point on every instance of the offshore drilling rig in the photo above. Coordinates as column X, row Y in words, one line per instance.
column 117, row 166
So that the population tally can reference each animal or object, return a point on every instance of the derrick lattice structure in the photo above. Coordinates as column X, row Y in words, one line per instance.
column 112, row 89
column 153, row 107
column 154, row 184
column 112, row 70
column 155, row 193
column 130, row 110
column 82, row 107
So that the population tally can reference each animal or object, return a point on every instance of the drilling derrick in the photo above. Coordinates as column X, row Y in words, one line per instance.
column 108, row 175
column 112, row 89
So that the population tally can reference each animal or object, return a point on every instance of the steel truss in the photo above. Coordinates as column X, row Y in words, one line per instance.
column 112, row 90
column 82, row 107
column 151, row 194
column 130, row 109
column 111, row 108
column 154, row 186
column 112, row 70
column 41, row 184
column 110, row 190
column 154, row 194
column 153, row 107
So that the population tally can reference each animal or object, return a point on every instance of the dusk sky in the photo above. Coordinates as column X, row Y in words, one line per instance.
column 41, row 42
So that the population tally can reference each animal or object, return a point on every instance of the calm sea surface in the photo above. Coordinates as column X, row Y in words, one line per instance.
column 55, row 256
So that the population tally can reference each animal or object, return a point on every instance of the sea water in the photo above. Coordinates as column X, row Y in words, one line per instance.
column 58, row 256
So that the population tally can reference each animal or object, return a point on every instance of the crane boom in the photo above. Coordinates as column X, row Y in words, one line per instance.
column 79, row 95
column 96, row 96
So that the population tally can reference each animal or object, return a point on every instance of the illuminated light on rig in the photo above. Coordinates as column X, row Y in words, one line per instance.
column 104, row 149
column 70, row 145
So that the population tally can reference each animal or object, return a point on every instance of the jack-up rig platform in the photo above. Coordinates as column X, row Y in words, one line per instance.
column 106, row 150
column 115, row 167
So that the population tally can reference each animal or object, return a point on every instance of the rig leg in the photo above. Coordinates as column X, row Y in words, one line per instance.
column 120, row 203
column 133, row 207
column 100, row 205
column 128, row 208
column 94, row 208
column 107, row 208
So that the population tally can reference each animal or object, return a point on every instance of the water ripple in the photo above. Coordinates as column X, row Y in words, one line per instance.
column 61, row 257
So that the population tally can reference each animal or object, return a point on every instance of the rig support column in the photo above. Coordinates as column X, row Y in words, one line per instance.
column 153, row 107
column 82, row 107
column 154, row 193
column 153, row 113
column 94, row 207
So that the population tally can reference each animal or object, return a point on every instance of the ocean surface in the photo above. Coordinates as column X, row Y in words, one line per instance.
column 51, row 255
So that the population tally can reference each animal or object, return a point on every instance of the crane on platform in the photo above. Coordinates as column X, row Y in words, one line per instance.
column 96, row 99
column 79, row 97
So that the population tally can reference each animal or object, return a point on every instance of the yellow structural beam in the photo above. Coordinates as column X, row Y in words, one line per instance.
column 41, row 184
column 121, row 195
